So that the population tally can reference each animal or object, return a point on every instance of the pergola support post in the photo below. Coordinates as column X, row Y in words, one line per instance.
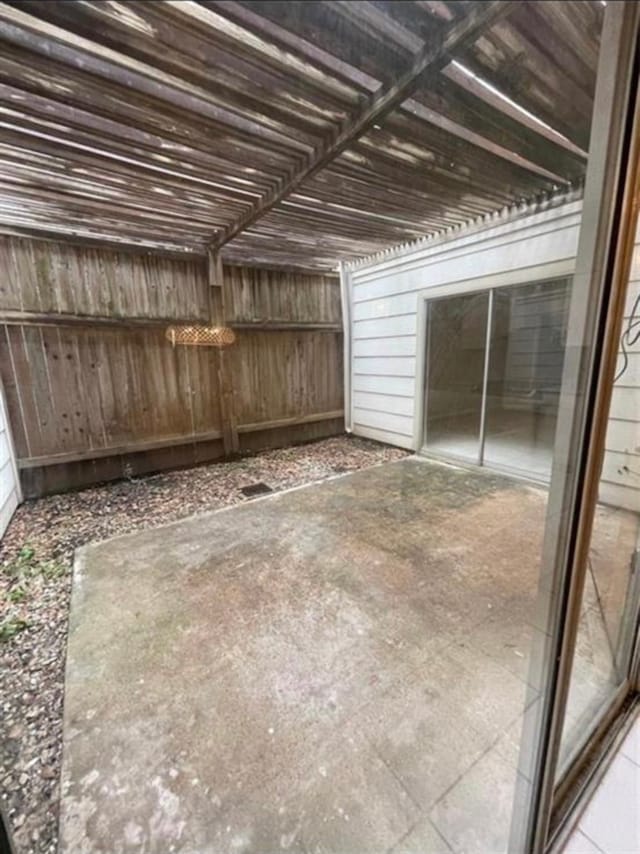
column 226, row 395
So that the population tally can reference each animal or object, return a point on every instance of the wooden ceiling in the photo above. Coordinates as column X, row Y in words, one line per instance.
column 287, row 133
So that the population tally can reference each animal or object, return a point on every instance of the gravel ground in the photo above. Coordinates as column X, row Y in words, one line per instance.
column 36, row 555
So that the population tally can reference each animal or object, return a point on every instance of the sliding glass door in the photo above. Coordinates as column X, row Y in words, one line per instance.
column 494, row 367
column 609, row 612
column 518, row 373
column 456, row 371
column 528, row 332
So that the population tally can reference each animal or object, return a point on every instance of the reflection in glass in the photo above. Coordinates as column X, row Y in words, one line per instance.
column 456, row 343
column 528, row 331
column 609, row 604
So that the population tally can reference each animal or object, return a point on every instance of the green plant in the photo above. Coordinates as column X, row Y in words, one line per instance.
column 17, row 593
column 20, row 564
column 11, row 626
column 50, row 569
column 23, row 571
column 26, row 566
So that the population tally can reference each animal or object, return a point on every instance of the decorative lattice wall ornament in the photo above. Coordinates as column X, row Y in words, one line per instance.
column 201, row 336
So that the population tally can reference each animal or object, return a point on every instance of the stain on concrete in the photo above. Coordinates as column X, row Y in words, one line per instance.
column 309, row 672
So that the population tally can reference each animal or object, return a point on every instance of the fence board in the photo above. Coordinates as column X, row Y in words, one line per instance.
column 284, row 374
column 86, row 390
column 59, row 278
column 90, row 400
column 257, row 295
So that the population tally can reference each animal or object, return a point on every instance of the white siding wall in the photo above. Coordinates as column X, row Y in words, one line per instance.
column 384, row 317
column 621, row 469
column 9, row 489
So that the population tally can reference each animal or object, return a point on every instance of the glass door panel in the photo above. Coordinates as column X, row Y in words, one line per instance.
column 528, row 331
column 610, row 598
column 456, row 356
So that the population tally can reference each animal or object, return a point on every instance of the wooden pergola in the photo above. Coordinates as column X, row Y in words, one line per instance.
column 291, row 134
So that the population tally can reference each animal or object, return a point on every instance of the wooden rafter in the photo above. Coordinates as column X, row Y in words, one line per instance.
column 522, row 147
column 160, row 126
column 430, row 60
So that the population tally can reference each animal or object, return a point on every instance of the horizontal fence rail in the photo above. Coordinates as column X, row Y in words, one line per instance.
column 95, row 390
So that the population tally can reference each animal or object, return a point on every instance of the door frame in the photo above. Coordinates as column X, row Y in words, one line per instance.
column 608, row 226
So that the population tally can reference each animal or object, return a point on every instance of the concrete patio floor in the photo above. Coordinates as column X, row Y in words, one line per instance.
column 340, row 668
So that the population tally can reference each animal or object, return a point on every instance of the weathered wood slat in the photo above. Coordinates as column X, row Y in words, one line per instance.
column 174, row 441
column 283, row 326
column 191, row 40
column 87, row 285
column 430, row 59
column 541, row 40
column 32, row 318
column 75, row 236
column 116, row 450
column 228, row 419
column 169, row 125
column 289, row 422
column 32, row 34
column 85, row 388
column 255, row 296
column 286, row 374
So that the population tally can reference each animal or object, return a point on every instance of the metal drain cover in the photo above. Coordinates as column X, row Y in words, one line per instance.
column 259, row 488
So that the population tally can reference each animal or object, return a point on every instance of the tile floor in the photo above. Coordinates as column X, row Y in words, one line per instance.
column 611, row 822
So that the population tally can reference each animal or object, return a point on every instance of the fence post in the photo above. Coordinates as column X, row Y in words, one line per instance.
column 217, row 313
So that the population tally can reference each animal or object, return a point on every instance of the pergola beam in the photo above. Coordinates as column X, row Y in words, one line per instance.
column 429, row 61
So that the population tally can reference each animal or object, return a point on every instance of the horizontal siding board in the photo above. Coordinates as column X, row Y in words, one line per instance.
column 399, row 346
column 401, row 324
column 393, row 404
column 634, row 284
column 566, row 216
column 623, row 470
column 623, row 436
column 625, row 403
column 620, row 483
column 386, row 307
column 618, row 496
column 386, row 366
column 9, row 488
column 537, row 222
column 633, row 292
column 554, row 245
column 384, row 312
column 634, row 275
column 632, row 297
column 384, row 385
column 390, row 438
column 401, row 424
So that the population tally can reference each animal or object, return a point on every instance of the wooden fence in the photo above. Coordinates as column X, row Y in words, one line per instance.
column 95, row 391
